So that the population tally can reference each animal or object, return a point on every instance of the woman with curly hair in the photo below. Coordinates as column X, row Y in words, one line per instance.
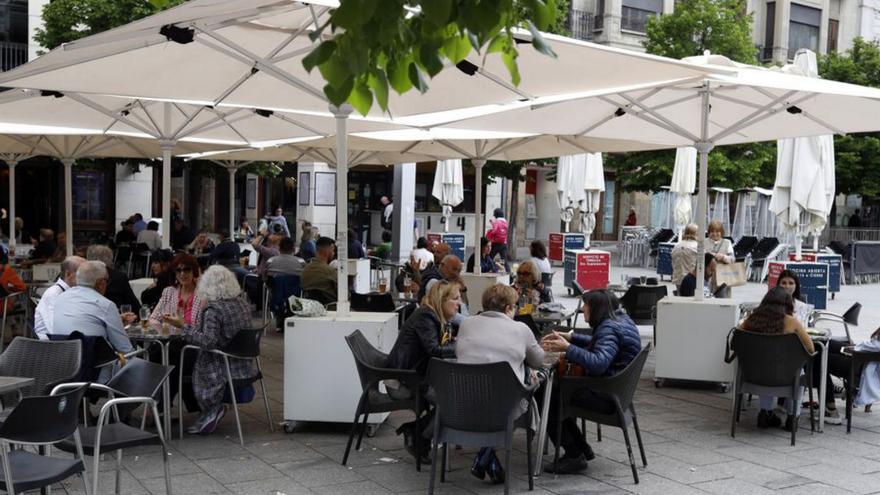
column 774, row 316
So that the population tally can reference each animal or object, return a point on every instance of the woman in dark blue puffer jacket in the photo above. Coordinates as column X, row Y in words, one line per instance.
column 615, row 342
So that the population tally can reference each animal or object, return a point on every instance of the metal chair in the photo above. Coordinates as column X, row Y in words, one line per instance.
column 245, row 345
column 372, row 367
column 769, row 364
column 41, row 421
column 850, row 317
column 620, row 388
column 138, row 383
column 639, row 301
column 48, row 363
column 478, row 405
column 13, row 298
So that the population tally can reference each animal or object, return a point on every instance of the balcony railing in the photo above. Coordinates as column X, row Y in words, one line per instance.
column 581, row 24
column 12, row 54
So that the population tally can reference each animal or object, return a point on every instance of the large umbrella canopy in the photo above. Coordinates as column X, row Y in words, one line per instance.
column 684, row 181
column 803, row 192
column 594, row 186
column 448, row 187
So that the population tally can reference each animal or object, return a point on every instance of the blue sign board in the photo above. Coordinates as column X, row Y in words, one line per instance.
column 835, row 265
column 664, row 258
column 456, row 243
column 573, row 242
column 814, row 282
column 570, row 267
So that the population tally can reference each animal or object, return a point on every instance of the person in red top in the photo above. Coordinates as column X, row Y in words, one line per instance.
column 497, row 235
column 9, row 278
column 631, row 219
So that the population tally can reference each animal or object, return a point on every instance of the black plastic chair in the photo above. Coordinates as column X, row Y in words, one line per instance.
column 48, row 363
column 744, row 246
column 620, row 388
column 138, row 383
column 857, row 364
column 41, row 421
column 372, row 367
column 769, row 364
column 850, row 317
column 245, row 345
column 375, row 302
column 478, row 405
column 97, row 354
column 639, row 302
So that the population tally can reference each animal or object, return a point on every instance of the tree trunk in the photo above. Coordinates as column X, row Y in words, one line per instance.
column 514, row 212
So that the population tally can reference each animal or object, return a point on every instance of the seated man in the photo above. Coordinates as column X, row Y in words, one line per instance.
column 227, row 252
column 44, row 316
column 318, row 278
column 150, row 236
column 421, row 254
column 689, row 282
column 85, row 309
column 285, row 263
column 44, row 248
column 118, row 287
column 487, row 264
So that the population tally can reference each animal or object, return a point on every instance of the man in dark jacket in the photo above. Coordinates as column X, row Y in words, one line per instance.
column 227, row 252
column 118, row 287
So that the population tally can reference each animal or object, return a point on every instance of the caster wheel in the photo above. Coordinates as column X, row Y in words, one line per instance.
column 724, row 388
column 371, row 430
column 289, row 426
column 658, row 382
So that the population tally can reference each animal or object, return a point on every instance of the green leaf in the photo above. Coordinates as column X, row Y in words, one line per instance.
column 456, row 48
column 335, row 72
column 398, row 75
column 437, row 12
column 353, row 13
column 430, row 60
column 319, row 55
column 539, row 43
column 498, row 43
column 361, row 98
column 416, row 78
column 541, row 14
column 338, row 96
column 379, row 84
column 509, row 59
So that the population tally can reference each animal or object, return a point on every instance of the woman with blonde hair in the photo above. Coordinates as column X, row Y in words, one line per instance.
column 717, row 245
column 528, row 284
column 684, row 255
column 224, row 315
column 425, row 334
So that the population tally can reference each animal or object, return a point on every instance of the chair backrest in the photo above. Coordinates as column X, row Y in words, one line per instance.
column 45, row 418
column 366, row 357
column 374, row 302
column 139, row 378
column 639, row 300
column 474, row 397
column 245, row 343
column 547, row 279
column 744, row 246
column 96, row 352
column 577, row 289
column 851, row 317
column 626, row 382
column 48, row 363
column 283, row 286
column 770, row 360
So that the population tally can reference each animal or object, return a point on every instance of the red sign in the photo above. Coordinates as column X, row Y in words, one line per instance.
column 593, row 269
column 773, row 271
column 804, row 257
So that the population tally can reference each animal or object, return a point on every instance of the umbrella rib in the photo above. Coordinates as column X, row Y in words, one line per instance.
column 34, row 146
column 292, row 54
column 219, row 120
column 410, row 147
column 513, row 145
column 574, row 143
column 650, row 111
column 647, row 118
column 494, row 150
column 133, row 146
column 262, row 64
column 755, row 116
column 187, row 121
column 100, row 108
column 737, row 101
column 497, row 80
column 455, row 148
column 149, row 116
column 824, row 124
column 299, row 124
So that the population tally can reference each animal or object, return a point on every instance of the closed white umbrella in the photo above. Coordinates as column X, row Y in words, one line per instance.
column 448, row 187
column 570, row 177
column 593, row 186
column 803, row 191
column 684, row 180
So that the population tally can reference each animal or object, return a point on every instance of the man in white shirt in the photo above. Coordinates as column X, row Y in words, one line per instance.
column 150, row 236
column 386, row 214
column 421, row 254
column 45, row 313
column 85, row 309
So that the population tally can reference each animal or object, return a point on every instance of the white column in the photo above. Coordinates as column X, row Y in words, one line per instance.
column 404, row 192
column 478, row 212
column 68, row 202
column 703, row 148
column 12, row 165
column 232, row 222
column 343, row 307
column 167, row 147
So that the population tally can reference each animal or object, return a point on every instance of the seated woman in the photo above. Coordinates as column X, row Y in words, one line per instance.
column 224, row 315
column 539, row 257
column 162, row 274
column 494, row 336
column 529, row 287
column 790, row 282
column 688, row 285
column 684, row 255
column 774, row 316
column 424, row 335
column 615, row 342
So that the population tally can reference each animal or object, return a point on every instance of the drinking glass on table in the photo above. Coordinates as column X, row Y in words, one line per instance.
column 124, row 308
column 145, row 317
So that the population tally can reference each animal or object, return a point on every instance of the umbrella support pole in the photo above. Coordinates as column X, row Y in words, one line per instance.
column 478, row 213
column 343, row 307
column 167, row 146
column 68, row 202
column 704, row 146
column 12, row 164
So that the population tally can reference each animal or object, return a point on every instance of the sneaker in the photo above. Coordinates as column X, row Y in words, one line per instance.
column 832, row 417
column 196, row 427
column 212, row 423
column 767, row 419
column 567, row 465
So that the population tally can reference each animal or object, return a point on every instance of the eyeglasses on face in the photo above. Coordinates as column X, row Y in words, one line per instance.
column 183, row 269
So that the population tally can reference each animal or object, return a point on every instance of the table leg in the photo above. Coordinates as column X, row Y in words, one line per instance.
column 542, row 426
column 823, row 392
column 166, row 393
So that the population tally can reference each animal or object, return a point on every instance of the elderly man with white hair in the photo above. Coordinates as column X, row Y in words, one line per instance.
column 118, row 287
column 84, row 308
column 224, row 314
column 44, row 316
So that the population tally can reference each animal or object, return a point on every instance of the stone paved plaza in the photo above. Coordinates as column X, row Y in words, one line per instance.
column 685, row 429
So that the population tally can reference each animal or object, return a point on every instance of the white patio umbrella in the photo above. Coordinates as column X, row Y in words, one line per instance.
column 18, row 143
column 803, row 192
column 593, row 186
column 684, row 180
column 249, row 53
column 570, row 177
column 448, row 187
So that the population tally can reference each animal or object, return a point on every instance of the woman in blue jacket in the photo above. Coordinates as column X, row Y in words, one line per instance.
column 613, row 345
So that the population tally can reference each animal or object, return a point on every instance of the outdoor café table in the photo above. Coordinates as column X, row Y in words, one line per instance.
column 10, row 384
column 545, row 318
column 547, row 374
column 156, row 337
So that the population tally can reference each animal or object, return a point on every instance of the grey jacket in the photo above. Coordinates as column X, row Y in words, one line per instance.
column 492, row 337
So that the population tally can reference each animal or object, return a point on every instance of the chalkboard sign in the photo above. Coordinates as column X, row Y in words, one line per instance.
column 664, row 258
column 835, row 265
column 814, row 282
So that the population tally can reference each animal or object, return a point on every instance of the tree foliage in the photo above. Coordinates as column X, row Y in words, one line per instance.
column 375, row 46
column 857, row 155
column 69, row 20
column 722, row 27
